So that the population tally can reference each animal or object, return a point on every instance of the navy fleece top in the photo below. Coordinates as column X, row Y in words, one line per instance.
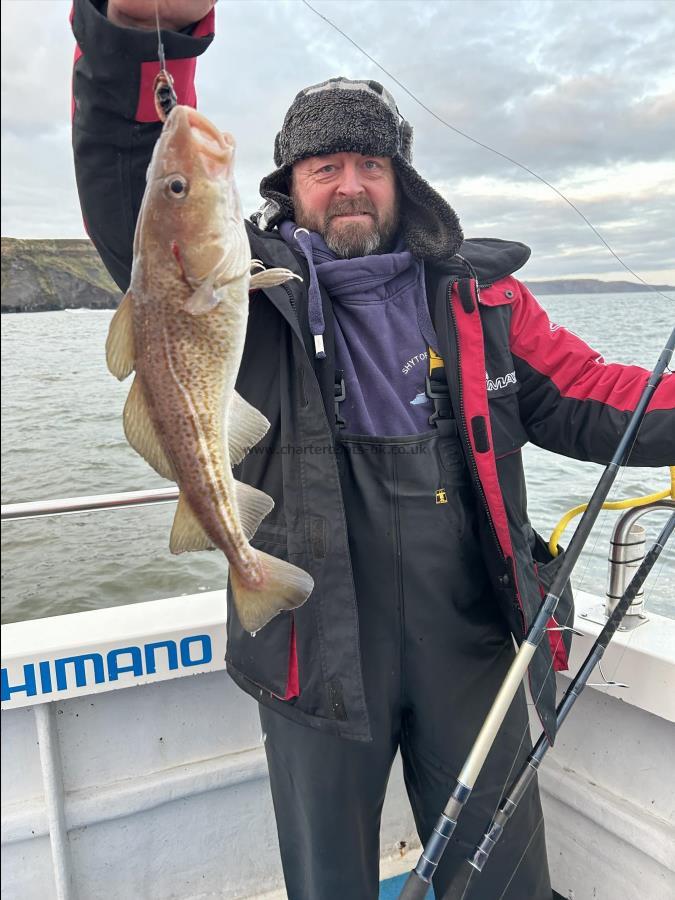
column 382, row 332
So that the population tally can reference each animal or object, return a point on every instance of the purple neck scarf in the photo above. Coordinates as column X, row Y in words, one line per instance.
column 382, row 331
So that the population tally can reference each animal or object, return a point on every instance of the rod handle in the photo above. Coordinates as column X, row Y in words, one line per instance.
column 414, row 888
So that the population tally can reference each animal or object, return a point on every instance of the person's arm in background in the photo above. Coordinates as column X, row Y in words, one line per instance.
column 115, row 124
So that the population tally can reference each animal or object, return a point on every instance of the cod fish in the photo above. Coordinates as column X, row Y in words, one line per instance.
column 181, row 327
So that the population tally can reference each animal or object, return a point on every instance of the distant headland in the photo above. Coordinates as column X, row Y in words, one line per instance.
column 591, row 286
column 42, row 275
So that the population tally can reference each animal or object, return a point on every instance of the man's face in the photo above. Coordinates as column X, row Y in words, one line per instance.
column 349, row 199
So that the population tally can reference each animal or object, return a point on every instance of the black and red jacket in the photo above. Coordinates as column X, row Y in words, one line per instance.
column 513, row 377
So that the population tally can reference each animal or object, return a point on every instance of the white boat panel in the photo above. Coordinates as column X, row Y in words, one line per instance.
column 20, row 756
column 107, row 649
column 643, row 659
column 116, row 761
column 165, row 787
column 187, row 816
column 28, row 871
column 609, row 803
column 115, row 623
column 127, row 735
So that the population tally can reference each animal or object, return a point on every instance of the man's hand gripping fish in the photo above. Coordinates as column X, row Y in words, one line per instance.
column 181, row 326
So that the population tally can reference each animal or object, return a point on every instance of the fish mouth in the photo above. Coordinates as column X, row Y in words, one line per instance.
column 216, row 146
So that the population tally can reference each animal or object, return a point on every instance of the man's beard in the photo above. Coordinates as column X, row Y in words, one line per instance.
column 375, row 234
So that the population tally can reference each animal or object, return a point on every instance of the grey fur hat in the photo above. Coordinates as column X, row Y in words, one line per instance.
column 338, row 116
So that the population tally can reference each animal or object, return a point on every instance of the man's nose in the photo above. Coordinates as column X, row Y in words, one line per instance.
column 350, row 184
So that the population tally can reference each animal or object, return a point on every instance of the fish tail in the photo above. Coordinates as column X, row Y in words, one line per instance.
column 284, row 586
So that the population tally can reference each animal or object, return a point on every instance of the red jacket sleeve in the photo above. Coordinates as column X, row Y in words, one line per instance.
column 573, row 402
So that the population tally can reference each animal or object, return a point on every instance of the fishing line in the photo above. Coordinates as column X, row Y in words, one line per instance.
column 160, row 44
column 619, row 458
column 607, row 683
column 564, row 624
column 647, row 597
column 534, row 174
column 591, row 551
column 653, row 584
column 522, row 856
column 541, row 818
column 600, row 237
column 532, row 836
column 526, row 732
column 485, row 146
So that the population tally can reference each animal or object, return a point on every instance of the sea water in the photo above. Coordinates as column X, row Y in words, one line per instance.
column 62, row 437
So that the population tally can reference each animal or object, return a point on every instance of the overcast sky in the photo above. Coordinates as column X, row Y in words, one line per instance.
column 581, row 91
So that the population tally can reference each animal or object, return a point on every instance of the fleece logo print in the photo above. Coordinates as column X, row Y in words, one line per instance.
column 410, row 364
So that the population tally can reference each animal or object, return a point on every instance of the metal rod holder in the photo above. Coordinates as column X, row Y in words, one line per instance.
column 627, row 550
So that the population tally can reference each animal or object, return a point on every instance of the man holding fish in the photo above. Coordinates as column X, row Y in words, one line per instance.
column 371, row 376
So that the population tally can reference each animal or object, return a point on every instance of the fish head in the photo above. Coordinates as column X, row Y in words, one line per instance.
column 191, row 211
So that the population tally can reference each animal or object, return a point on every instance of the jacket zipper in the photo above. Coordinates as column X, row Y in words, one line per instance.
column 291, row 299
column 474, row 465
column 301, row 372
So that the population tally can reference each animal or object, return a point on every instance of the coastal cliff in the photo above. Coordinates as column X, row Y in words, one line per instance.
column 41, row 275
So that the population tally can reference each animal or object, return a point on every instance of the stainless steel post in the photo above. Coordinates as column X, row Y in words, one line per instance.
column 52, row 779
column 626, row 552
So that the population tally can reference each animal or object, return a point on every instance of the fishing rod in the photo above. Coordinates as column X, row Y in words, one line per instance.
column 419, row 879
column 477, row 860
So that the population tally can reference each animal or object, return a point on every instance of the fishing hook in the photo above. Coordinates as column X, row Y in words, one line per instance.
column 162, row 88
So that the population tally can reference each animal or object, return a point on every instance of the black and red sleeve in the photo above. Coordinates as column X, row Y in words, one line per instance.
column 573, row 402
column 115, row 125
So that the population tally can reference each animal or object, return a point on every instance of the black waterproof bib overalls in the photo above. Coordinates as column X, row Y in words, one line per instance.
column 434, row 651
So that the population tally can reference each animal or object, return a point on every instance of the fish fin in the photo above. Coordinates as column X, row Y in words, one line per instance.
column 141, row 434
column 205, row 298
column 119, row 346
column 253, row 505
column 186, row 531
column 188, row 534
column 284, row 586
column 245, row 427
column 271, row 277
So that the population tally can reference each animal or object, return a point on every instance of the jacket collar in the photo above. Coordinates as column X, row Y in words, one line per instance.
column 488, row 259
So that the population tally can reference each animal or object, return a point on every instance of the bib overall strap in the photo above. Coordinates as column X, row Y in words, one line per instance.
column 437, row 388
column 339, row 396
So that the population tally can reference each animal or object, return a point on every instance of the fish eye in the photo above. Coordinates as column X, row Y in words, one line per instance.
column 176, row 186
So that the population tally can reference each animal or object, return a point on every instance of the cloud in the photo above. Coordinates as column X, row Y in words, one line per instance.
column 580, row 92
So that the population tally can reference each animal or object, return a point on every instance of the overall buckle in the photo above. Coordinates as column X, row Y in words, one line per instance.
column 438, row 391
column 338, row 396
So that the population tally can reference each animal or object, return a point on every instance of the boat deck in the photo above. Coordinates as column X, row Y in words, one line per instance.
column 392, row 887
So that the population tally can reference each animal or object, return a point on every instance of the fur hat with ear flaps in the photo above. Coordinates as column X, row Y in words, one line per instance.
column 343, row 116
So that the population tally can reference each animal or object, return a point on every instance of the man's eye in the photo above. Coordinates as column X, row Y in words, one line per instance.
column 327, row 169
column 371, row 164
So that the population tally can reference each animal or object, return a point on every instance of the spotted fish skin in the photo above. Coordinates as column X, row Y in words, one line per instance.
column 182, row 327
